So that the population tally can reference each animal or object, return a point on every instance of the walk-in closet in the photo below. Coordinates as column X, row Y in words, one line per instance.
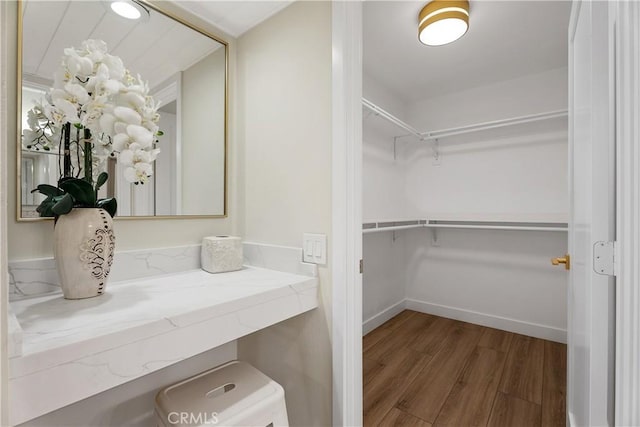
column 465, row 202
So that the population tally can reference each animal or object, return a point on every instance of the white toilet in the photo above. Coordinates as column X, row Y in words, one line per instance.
column 234, row 394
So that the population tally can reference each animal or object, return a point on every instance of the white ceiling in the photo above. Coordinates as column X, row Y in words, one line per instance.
column 234, row 17
column 506, row 39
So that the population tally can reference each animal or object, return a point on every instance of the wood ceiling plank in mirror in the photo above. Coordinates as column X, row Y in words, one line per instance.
column 141, row 39
column 83, row 17
column 45, row 16
column 156, row 49
column 112, row 29
column 175, row 51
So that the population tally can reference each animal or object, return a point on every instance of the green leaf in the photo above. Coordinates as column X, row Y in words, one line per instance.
column 48, row 190
column 63, row 179
column 64, row 206
column 81, row 191
column 102, row 178
column 44, row 209
column 110, row 205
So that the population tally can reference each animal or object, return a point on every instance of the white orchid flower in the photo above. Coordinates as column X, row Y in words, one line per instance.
column 93, row 45
column 62, row 109
column 68, row 101
column 95, row 49
column 140, row 135
column 127, row 115
column 93, row 111
column 61, row 77
column 78, row 65
column 135, row 100
column 135, row 154
column 138, row 173
column 107, row 120
column 115, row 66
column 94, row 89
column 53, row 114
column 135, row 134
column 76, row 94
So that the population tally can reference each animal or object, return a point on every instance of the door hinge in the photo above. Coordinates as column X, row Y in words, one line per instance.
column 604, row 258
column 361, row 266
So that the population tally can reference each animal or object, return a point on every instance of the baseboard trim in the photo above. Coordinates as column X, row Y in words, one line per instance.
column 382, row 317
column 497, row 322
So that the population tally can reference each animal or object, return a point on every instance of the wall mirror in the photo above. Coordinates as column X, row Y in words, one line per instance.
column 186, row 70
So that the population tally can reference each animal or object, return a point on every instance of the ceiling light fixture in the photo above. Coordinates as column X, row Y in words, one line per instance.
column 129, row 9
column 443, row 21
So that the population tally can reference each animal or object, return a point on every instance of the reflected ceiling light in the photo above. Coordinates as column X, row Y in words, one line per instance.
column 129, row 9
column 443, row 21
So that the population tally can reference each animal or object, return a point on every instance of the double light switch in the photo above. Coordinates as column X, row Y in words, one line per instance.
column 314, row 248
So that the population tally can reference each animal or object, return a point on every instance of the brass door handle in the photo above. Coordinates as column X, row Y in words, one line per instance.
column 566, row 260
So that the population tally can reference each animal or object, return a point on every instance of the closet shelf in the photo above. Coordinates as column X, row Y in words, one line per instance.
column 391, row 118
column 378, row 227
column 460, row 130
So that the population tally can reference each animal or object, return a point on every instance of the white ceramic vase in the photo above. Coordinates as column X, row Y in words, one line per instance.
column 83, row 249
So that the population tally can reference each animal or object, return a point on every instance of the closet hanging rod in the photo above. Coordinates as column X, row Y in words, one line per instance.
column 390, row 117
column 494, row 124
column 395, row 228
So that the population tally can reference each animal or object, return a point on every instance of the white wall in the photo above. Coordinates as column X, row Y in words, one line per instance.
column 383, row 176
column 500, row 278
column 384, row 277
column 517, row 173
column 203, row 134
column 384, row 198
column 284, row 124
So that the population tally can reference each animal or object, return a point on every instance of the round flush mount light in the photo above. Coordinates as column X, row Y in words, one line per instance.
column 443, row 21
column 129, row 9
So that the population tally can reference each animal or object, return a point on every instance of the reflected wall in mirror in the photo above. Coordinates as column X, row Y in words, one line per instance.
column 187, row 74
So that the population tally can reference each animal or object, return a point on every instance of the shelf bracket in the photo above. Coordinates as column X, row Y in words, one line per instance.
column 435, row 153
column 395, row 146
column 434, row 237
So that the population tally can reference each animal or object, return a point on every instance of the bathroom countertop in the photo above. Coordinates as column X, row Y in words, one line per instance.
column 74, row 349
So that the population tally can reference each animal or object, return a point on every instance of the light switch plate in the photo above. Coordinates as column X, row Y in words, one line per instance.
column 314, row 248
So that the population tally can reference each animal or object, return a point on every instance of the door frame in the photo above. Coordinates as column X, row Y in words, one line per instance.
column 347, row 212
column 595, row 404
column 627, row 387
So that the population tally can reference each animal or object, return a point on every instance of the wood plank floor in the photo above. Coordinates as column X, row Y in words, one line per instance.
column 423, row 370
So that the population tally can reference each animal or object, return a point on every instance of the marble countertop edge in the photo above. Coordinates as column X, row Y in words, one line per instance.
column 47, row 353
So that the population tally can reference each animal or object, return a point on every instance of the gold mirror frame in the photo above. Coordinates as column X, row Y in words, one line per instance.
column 169, row 15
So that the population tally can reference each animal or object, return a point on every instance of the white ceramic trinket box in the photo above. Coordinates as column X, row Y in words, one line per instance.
column 221, row 254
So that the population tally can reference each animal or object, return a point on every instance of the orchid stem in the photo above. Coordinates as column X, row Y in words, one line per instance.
column 88, row 160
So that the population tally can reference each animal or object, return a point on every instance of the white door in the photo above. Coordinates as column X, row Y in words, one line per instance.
column 592, row 215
